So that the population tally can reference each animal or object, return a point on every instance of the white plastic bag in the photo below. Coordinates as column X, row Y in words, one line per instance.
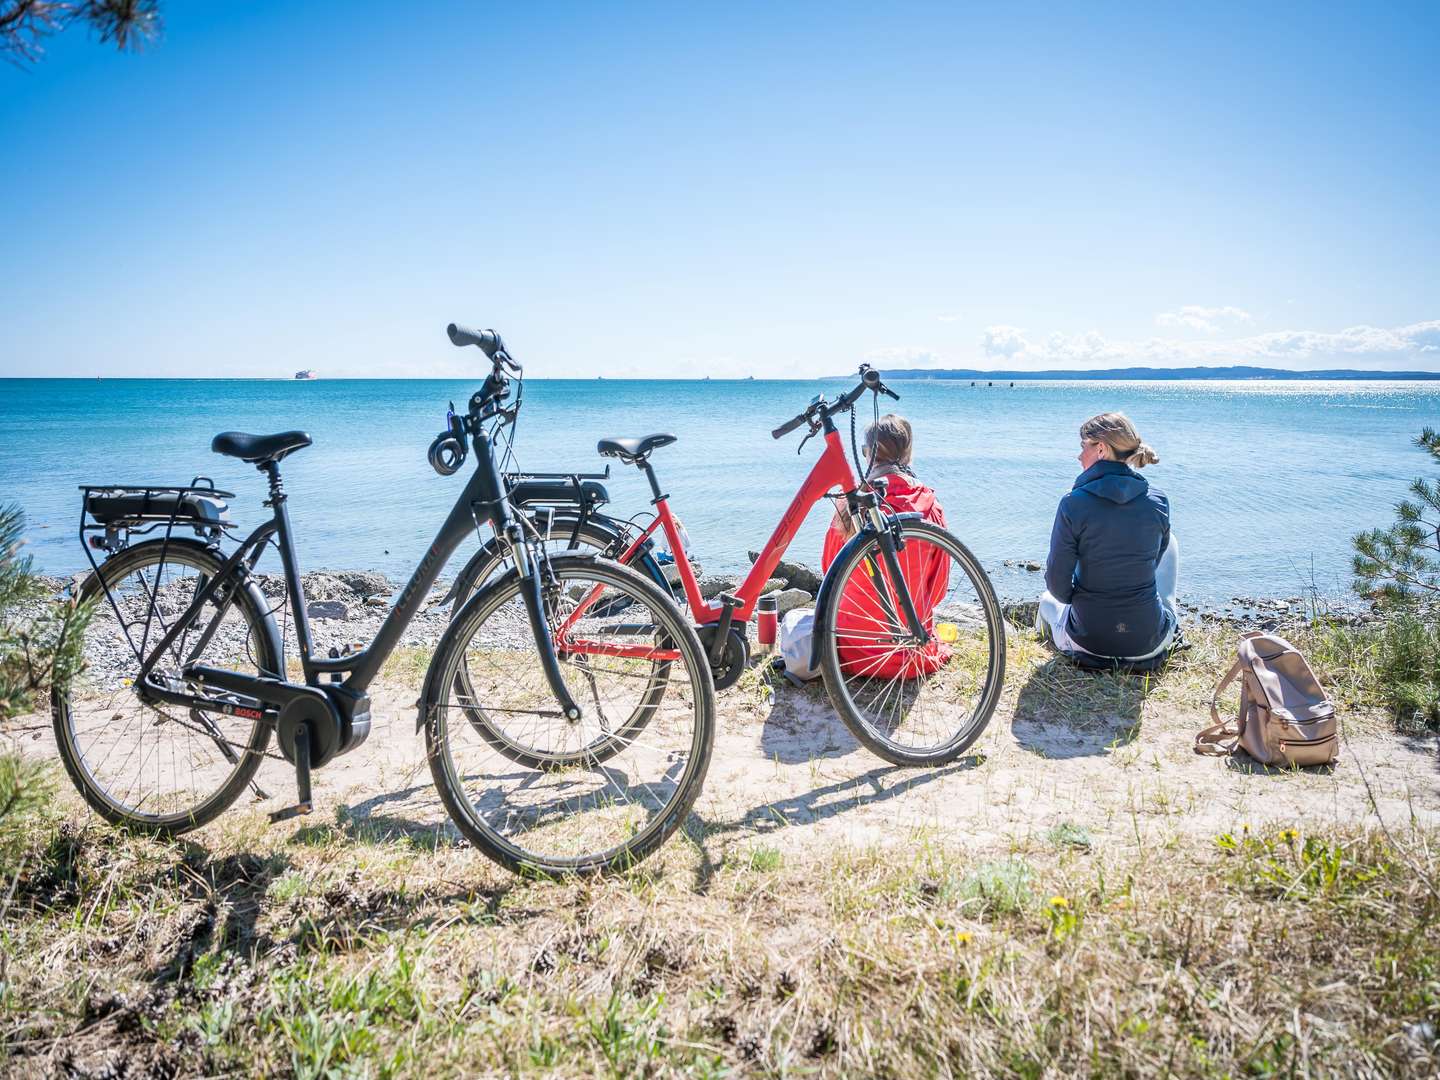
column 797, row 635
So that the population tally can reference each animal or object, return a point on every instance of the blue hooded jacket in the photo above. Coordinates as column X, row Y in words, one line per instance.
column 1109, row 533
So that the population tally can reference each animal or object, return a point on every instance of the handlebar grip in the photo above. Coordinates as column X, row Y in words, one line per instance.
column 488, row 340
column 787, row 427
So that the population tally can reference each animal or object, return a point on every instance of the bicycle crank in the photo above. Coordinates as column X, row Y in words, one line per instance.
column 734, row 655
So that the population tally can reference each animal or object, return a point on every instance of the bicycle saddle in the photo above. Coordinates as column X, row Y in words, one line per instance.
column 259, row 448
column 633, row 449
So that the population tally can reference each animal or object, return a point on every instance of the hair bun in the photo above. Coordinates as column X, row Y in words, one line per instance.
column 1141, row 456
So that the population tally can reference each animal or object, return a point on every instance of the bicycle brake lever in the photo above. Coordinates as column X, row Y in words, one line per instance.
column 810, row 435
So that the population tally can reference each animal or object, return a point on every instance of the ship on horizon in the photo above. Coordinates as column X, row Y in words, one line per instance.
column 308, row 373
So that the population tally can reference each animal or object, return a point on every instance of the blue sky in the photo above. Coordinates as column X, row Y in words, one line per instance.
column 679, row 190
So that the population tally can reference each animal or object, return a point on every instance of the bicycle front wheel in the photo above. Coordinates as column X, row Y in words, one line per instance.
column 158, row 767
column 535, row 790
column 912, row 702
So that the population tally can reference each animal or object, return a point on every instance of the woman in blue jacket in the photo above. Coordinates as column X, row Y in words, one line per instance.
column 1110, row 578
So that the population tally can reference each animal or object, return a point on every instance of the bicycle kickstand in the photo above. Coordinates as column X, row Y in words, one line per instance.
column 303, row 804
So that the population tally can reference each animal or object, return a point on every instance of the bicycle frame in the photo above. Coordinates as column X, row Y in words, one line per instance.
column 483, row 501
column 831, row 470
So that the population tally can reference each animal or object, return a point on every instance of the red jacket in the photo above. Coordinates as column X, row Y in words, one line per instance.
column 927, row 575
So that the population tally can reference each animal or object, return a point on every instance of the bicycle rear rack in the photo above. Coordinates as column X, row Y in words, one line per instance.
column 122, row 510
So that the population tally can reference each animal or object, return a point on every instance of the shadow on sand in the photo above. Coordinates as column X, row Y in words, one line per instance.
column 1064, row 711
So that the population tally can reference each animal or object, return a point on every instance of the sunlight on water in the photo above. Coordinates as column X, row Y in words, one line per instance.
column 1268, row 480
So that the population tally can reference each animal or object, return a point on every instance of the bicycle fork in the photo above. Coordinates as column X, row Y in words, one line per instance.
column 890, row 579
column 532, row 588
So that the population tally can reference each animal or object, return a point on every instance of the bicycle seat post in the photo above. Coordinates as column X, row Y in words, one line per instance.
column 649, row 471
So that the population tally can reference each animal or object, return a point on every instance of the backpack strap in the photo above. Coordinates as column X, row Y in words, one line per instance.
column 1220, row 739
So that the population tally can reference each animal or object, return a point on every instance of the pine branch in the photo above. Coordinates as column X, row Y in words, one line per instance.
column 25, row 24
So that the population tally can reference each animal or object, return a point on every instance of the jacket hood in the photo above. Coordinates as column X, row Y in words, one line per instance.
column 1112, row 480
column 906, row 496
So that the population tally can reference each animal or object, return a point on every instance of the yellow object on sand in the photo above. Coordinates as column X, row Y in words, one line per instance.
column 947, row 632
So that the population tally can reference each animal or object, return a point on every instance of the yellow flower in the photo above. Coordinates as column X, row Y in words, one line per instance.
column 1059, row 902
column 1245, row 828
column 963, row 938
column 1289, row 836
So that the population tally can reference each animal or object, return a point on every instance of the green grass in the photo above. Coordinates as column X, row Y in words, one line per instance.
column 1069, row 835
column 1002, row 887
column 1394, row 662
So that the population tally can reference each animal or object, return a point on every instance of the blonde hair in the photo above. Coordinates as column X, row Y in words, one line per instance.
column 1117, row 432
column 890, row 440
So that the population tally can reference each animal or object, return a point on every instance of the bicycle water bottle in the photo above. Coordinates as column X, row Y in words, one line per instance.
column 766, row 618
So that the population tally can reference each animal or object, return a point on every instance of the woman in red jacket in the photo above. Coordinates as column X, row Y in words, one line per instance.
column 889, row 444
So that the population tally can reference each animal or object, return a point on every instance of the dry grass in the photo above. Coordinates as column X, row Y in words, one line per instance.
column 325, row 952
column 349, row 948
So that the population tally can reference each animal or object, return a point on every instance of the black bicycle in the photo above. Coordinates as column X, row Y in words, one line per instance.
column 186, row 680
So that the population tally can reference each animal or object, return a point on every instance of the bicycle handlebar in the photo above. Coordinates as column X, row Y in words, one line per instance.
column 869, row 380
column 789, row 426
column 488, row 340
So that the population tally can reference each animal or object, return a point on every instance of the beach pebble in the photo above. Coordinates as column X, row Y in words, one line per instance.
column 790, row 599
column 714, row 585
column 327, row 609
column 796, row 575
column 364, row 583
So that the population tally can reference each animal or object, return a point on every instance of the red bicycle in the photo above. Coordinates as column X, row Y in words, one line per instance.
column 907, row 631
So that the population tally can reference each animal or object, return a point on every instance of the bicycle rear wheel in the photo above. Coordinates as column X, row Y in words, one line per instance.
column 912, row 703
column 537, row 791
column 161, row 768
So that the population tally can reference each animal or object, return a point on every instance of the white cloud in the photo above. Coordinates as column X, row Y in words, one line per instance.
column 1415, row 345
column 1003, row 341
column 1208, row 319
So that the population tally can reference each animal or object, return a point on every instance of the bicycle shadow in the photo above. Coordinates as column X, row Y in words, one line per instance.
column 367, row 821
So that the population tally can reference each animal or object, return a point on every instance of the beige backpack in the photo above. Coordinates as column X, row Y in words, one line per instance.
column 1285, row 716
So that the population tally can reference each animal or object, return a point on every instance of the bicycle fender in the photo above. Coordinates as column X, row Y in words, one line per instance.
column 466, row 578
column 827, row 584
column 644, row 560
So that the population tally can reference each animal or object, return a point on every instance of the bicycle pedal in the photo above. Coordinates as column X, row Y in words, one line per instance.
column 298, row 810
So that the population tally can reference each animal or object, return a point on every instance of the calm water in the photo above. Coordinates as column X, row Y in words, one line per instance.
column 1268, row 481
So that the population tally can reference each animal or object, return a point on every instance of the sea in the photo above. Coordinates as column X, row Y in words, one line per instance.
column 1268, row 480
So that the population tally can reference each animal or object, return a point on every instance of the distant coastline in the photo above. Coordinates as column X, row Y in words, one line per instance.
column 1134, row 374
column 1159, row 374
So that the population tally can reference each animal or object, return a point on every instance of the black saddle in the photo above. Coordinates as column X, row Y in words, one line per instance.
column 633, row 449
column 258, row 449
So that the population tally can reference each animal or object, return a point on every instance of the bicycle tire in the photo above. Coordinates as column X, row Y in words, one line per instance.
column 436, row 722
column 838, row 681
column 255, row 612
